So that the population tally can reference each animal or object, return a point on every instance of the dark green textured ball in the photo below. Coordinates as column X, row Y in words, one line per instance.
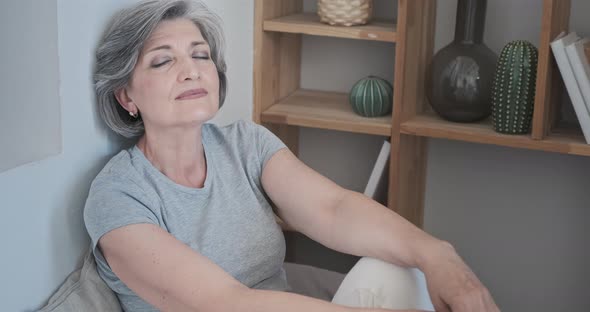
column 371, row 97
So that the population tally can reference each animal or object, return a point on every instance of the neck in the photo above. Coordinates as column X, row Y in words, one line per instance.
column 471, row 16
column 178, row 154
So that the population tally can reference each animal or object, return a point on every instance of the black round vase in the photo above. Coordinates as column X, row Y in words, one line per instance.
column 459, row 79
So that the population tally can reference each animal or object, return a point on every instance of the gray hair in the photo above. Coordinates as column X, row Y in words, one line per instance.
column 120, row 47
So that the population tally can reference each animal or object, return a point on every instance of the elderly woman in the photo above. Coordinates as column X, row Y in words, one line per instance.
column 181, row 221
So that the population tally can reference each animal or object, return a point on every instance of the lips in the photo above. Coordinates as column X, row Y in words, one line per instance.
column 192, row 94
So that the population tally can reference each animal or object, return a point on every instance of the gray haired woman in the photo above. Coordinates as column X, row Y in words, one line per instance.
column 181, row 222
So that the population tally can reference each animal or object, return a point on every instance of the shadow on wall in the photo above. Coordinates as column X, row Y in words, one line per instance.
column 63, row 239
column 303, row 250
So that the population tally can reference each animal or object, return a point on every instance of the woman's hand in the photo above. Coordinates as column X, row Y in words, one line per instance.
column 453, row 287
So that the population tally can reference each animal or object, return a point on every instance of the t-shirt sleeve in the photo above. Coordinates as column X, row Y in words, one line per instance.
column 267, row 143
column 114, row 204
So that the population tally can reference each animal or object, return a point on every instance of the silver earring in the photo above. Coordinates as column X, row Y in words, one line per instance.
column 132, row 115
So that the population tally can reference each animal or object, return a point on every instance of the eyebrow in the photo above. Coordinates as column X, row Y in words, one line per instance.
column 167, row 47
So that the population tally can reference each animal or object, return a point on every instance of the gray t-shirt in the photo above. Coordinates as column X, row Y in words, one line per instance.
column 229, row 220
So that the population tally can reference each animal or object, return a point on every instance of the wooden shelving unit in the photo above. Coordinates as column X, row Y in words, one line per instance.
column 281, row 105
column 432, row 126
column 325, row 110
column 309, row 24
column 414, row 123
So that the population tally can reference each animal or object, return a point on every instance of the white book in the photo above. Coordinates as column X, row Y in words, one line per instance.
column 567, row 73
column 377, row 185
column 577, row 57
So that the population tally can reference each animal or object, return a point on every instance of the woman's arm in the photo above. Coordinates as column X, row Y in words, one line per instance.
column 340, row 219
column 352, row 223
column 172, row 277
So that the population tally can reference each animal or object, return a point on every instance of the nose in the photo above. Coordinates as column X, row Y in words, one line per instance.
column 188, row 70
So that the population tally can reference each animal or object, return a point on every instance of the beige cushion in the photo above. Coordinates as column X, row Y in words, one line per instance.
column 83, row 290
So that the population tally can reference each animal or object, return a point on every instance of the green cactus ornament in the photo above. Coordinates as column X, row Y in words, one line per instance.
column 371, row 97
column 513, row 91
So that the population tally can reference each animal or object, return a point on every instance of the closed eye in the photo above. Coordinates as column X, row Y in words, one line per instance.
column 202, row 55
column 160, row 64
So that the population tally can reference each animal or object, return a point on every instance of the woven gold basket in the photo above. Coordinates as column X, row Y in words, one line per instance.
column 345, row 12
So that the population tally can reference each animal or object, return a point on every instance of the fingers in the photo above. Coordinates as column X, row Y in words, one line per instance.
column 384, row 310
column 491, row 304
column 480, row 300
column 440, row 306
column 488, row 301
column 438, row 303
column 402, row 311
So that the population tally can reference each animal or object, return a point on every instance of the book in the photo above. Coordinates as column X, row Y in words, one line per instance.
column 573, row 89
column 577, row 57
column 377, row 184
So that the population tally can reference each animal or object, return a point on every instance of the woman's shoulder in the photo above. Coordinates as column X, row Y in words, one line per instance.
column 239, row 125
column 240, row 129
column 119, row 169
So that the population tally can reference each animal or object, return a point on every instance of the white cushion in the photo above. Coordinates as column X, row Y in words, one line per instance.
column 373, row 283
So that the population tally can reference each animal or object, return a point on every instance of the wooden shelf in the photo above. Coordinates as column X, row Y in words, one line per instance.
column 309, row 24
column 325, row 110
column 432, row 126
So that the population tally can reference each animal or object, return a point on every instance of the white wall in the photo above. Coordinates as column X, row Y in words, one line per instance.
column 238, row 18
column 520, row 218
column 42, row 201
column 42, row 233
column 29, row 114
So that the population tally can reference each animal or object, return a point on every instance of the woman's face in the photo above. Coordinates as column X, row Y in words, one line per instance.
column 175, row 82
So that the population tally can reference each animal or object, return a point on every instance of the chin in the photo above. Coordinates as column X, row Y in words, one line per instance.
column 202, row 116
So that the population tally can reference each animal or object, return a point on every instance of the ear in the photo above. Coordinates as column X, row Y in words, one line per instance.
column 125, row 100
